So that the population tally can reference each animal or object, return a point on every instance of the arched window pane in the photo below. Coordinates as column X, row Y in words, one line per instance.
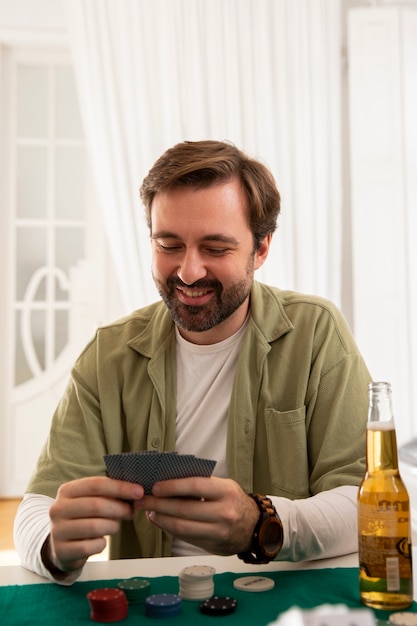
column 32, row 180
column 68, row 119
column 69, row 247
column 70, row 182
column 32, row 101
column 31, row 255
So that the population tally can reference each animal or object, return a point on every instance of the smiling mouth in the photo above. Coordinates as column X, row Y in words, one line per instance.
column 194, row 293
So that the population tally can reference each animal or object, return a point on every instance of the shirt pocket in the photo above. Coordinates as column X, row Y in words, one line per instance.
column 288, row 452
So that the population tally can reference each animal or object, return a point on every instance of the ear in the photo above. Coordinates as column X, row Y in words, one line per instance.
column 262, row 252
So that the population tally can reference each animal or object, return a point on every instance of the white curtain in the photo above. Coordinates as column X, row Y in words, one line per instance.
column 264, row 74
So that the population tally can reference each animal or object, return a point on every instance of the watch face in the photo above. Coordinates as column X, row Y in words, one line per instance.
column 270, row 536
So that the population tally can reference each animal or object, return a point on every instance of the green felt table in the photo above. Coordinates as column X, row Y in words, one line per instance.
column 50, row 604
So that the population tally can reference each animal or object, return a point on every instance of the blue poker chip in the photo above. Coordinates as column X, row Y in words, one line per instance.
column 163, row 605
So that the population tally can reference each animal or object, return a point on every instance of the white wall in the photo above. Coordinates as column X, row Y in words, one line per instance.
column 33, row 15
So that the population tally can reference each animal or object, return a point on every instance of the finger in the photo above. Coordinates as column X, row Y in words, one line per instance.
column 101, row 486
column 76, row 552
column 73, row 530
column 190, row 530
column 195, row 487
column 185, row 508
column 90, row 507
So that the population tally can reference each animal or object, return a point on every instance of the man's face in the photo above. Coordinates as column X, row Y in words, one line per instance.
column 204, row 258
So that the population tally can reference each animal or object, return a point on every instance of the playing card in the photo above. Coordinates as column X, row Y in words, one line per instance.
column 182, row 466
column 144, row 468
column 114, row 466
column 147, row 467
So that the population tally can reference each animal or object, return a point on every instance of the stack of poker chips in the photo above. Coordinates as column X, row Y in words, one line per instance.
column 136, row 590
column 163, row 605
column 196, row 582
column 107, row 605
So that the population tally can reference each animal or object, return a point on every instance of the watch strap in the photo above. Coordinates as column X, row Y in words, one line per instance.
column 259, row 553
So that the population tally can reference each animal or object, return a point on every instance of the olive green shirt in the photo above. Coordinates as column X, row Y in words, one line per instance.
column 296, row 421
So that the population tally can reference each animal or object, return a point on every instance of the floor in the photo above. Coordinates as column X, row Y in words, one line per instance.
column 8, row 510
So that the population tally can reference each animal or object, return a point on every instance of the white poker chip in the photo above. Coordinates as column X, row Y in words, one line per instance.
column 190, row 594
column 196, row 582
column 197, row 572
column 201, row 589
column 403, row 619
column 254, row 583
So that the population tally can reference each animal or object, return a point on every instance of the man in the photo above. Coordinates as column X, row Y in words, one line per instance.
column 269, row 383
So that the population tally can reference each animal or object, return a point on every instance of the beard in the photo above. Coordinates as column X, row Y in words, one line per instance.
column 201, row 318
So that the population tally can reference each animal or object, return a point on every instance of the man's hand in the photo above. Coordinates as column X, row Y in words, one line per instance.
column 212, row 513
column 84, row 512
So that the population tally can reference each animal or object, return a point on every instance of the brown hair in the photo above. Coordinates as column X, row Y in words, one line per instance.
column 203, row 163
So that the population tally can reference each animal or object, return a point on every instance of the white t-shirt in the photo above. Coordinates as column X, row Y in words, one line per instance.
column 205, row 377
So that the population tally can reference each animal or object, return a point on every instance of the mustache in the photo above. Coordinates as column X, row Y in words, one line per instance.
column 199, row 284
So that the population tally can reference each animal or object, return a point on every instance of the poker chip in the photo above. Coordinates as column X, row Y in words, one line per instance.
column 163, row 605
column 254, row 583
column 107, row 605
column 218, row 605
column 196, row 582
column 135, row 589
column 403, row 619
column 198, row 572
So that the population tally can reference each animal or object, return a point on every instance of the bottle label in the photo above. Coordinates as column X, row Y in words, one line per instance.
column 386, row 557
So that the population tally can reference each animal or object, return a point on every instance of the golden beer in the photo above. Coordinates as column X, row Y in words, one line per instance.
column 385, row 567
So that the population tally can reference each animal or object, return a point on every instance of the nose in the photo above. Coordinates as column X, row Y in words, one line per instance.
column 191, row 267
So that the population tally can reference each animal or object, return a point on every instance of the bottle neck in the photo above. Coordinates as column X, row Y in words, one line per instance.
column 381, row 447
column 380, row 407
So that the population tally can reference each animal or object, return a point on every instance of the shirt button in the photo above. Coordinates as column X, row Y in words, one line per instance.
column 156, row 442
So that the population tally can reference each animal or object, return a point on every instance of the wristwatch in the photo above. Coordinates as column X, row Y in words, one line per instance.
column 268, row 535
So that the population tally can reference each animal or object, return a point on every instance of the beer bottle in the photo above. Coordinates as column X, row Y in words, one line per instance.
column 384, row 524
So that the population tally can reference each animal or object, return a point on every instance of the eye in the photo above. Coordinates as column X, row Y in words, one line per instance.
column 217, row 251
column 168, row 247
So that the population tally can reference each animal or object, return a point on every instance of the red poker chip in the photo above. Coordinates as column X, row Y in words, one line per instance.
column 107, row 605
